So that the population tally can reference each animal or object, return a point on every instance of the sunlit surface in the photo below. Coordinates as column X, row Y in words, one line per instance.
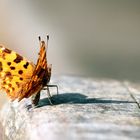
column 3, row 99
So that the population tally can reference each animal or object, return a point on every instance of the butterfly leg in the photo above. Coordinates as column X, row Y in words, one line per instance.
column 53, row 86
column 35, row 99
column 49, row 95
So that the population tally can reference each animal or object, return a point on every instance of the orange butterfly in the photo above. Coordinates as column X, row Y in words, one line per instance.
column 21, row 78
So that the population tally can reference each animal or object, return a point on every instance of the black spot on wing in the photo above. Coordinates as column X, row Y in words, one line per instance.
column 13, row 88
column 7, row 90
column 8, row 74
column 20, row 71
column 8, row 63
column 10, row 85
column 26, row 65
column 12, row 68
column 18, row 58
column 1, row 66
column 21, row 78
column 7, row 50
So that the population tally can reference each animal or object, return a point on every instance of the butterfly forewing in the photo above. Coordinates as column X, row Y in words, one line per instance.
column 40, row 74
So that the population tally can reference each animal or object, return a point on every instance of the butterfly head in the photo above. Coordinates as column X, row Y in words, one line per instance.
column 49, row 70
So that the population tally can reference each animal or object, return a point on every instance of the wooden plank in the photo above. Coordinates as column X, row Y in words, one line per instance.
column 84, row 109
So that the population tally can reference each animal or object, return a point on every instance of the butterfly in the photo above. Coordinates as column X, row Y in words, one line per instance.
column 21, row 78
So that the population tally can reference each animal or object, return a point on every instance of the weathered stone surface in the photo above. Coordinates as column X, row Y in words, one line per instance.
column 84, row 109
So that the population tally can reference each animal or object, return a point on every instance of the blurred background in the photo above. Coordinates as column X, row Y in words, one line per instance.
column 92, row 38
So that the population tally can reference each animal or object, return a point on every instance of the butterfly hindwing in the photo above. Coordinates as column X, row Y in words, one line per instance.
column 15, row 71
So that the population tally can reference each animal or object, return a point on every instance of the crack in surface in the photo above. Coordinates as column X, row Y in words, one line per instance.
column 131, row 93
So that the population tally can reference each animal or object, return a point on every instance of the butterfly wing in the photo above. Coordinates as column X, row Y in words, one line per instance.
column 41, row 74
column 15, row 72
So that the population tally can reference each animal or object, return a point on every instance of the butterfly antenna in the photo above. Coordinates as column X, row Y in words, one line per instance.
column 47, row 40
column 39, row 38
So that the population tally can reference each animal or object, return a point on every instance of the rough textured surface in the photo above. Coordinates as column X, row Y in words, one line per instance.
column 84, row 109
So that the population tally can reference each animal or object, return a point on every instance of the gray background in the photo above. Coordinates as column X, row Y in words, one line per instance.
column 94, row 38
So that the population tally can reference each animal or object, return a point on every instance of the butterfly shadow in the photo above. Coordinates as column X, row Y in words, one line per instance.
column 77, row 98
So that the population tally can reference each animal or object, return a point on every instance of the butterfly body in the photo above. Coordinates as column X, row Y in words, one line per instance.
column 21, row 78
